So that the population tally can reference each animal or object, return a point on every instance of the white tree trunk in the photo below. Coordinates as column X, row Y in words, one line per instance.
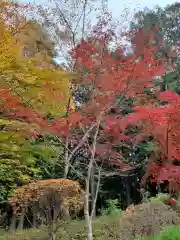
column 87, row 217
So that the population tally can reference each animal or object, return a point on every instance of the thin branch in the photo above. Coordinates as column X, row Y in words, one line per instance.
column 81, row 141
column 65, row 20
column 97, row 191
column 84, row 16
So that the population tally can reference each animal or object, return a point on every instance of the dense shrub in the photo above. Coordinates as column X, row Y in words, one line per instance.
column 147, row 219
column 53, row 192
column 112, row 208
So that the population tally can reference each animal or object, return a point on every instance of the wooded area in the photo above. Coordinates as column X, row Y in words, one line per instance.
column 102, row 125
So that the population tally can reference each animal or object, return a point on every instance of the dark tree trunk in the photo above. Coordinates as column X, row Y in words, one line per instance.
column 12, row 227
column 34, row 221
column 128, row 194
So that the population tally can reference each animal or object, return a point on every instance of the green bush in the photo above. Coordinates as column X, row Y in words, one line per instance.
column 162, row 197
column 112, row 208
column 170, row 233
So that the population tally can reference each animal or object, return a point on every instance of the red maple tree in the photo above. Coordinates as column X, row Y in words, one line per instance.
column 109, row 76
column 163, row 123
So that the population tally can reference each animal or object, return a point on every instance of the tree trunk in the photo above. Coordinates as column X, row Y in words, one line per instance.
column 53, row 225
column 13, row 223
column 88, row 218
column 21, row 220
column 66, row 163
column 52, row 232
column 34, row 218
column 93, row 189
column 66, row 159
column 65, row 213
column 128, row 196
column 53, row 236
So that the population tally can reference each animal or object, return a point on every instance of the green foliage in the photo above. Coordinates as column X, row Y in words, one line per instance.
column 170, row 233
column 142, row 151
column 27, row 160
column 161, row 197
column 127, row 104
column 112, row 208
column 12, row 174
column 146, row 148
column 17, row 164
column 172, row 80
column 48, row 152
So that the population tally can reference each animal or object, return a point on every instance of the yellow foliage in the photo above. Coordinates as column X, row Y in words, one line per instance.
column 38, row 84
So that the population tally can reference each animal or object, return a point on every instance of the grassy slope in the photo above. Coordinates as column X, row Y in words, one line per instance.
column 105, row 228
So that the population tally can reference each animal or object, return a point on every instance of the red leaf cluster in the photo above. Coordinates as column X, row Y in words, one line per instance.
column 13, row 108
column 163, row 122
column 110, row 76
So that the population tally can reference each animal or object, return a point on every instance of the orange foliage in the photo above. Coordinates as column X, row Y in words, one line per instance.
column 68, row 192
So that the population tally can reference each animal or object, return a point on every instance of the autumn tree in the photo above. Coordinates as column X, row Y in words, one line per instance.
column 68, row 22
column 109, row 78
column 162, row 122
column 167, row 20
column 24, row 98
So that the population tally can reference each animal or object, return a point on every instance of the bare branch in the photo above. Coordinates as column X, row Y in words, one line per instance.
column 84, row 16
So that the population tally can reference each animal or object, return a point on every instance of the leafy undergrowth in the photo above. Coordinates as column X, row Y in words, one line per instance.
column 170, row 233
column 148, row 219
